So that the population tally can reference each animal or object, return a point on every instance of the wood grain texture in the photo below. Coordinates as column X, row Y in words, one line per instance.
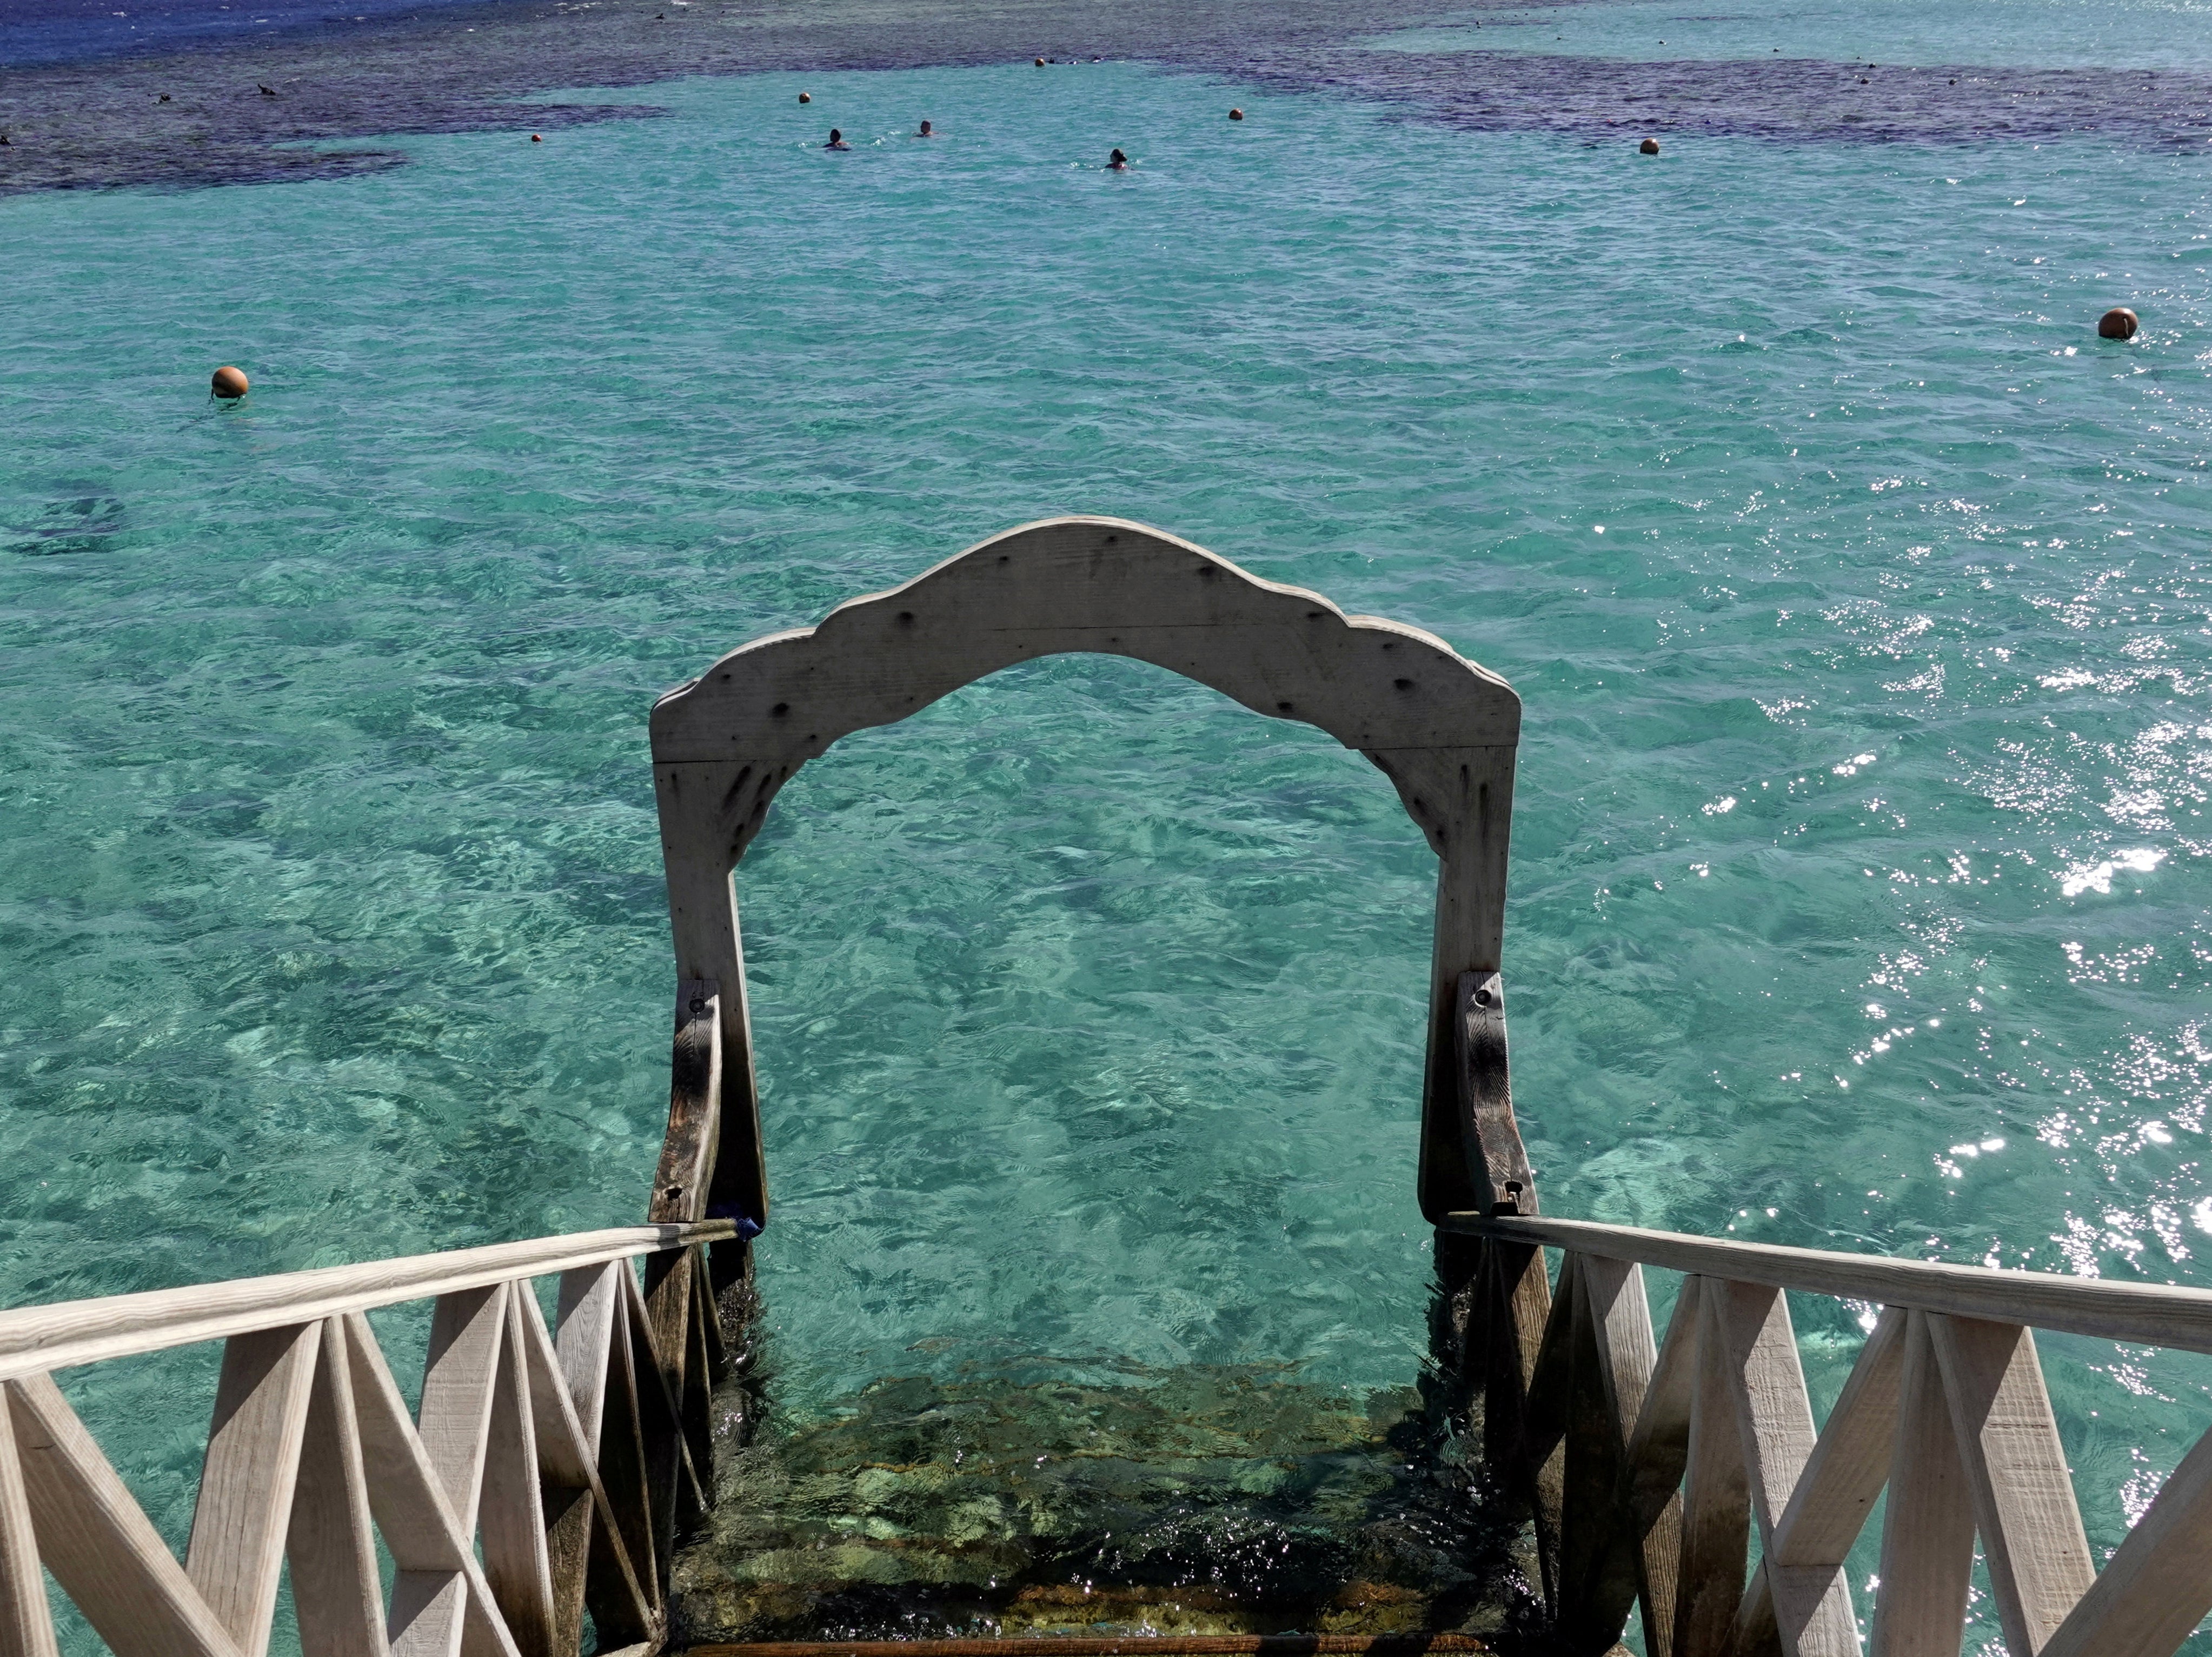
column 1513, row 1295
column 1646, row 1553
column 97, row 1542
column 2154, row 1315
column 1851, row 1460
column 1439, row 727
column 1498, row 1162
column 467, row 1329
column 336, row 1592
column 27, row 1621
column 1659, row 1446
column 511, row 1522
column 2016, row 1477
column 1928, row 1538
column 34, row 1340
column 1716, row 1499
column 248, row 1476
column 439, row 1583
column 1812, row 1606
column 580, row 1517
column 2155, row 1590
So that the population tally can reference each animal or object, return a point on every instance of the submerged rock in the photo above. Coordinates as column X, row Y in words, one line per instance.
column 1200, row 1500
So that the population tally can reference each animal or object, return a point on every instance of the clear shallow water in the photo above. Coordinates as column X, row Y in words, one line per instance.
column 1860, row 862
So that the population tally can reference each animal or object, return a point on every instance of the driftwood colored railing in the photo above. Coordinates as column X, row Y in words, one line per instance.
column 544, row 1473
column 1647, row 1465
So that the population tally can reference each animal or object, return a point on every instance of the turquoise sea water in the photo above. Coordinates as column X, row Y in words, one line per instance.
column 1857, row 594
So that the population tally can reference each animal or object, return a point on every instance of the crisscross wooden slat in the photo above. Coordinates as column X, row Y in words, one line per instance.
column 248, row 1478
column 1927, row 1544
column 331, row 1547
column 27, row 1621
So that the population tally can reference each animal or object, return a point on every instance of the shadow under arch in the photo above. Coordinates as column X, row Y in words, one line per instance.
column 1443, row 729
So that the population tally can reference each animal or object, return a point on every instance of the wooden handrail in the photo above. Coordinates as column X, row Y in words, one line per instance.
column 37, row 1339
column 2154, row 1314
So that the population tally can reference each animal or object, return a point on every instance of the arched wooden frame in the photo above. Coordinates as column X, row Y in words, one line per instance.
column 1441, row 728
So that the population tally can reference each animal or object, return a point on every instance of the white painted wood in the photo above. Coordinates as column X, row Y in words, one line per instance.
column 2155, row 1590
column 97, row 1542
column 1928, row 1534
column 247, row 1477
column 2016, row 1476
column 27, row 1621
column 441, row 1601
column 34, row 1340
column 2154, row 1315
column 331, row 1547
column 1442, row 729
column 513, row 1526
column 1812, row 1606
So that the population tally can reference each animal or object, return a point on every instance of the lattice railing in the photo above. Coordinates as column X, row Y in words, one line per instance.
column 543, row 1472
column 1648, row 1465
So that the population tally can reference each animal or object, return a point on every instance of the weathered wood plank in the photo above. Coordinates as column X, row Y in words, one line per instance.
column 458, row 1378
column 1812, row 1607
column 1928, row 1535
column 1716, row 1496
column 515, row 1562
column 2154, row 1314
column 1438, row 726
column 2155, row 1590
column 1496, row 1157
column 27, row 1621
column 248, row 1475
column 34, row 1340
column 440, row 1600
column 1514, row 1292
column 331, row 1546
column 1639, row 1561
column 2016, row 1477
column 1851, row 1460
column 97, row 1542
column 624, row 1468
column 578, row 1508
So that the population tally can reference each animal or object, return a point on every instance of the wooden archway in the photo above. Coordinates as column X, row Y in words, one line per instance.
column 1441, row 728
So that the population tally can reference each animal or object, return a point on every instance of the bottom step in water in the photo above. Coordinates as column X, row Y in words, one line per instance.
column 1198, row 1500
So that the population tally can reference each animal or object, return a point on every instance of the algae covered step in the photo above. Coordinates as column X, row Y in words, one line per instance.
column 1195, row 1501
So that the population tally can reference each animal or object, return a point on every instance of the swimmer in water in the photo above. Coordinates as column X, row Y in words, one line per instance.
column 1119, row 163
column 837, row 141
column 925, row 132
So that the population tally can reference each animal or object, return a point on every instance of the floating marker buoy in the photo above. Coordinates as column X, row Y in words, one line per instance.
column 2118, row 323
column 1235, row 114
column 1649, row 147
column 535, row 139
column 806, row 97
column 1040, row 63
column 165, row 98
column 229, row 383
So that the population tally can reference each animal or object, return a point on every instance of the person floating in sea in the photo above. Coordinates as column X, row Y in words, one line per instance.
column 1119, row 163
column 837, row 141
column 925, row 132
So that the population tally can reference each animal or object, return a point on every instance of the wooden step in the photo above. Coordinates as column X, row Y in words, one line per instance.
column 1155, row 1645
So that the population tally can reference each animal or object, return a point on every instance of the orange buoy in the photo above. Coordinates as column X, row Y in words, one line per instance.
column 1040, row 63
column 1235, row 114
column 535, row 139
column 2118, row 323
column 1649, row 147
column 806, row 97
column 229, row 383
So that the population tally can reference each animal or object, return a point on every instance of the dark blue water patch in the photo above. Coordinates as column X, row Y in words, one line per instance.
column 245, row 111
column 83, row 31
column 74, row 524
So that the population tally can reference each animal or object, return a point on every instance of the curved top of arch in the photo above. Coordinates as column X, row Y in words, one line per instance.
column 1101, row 584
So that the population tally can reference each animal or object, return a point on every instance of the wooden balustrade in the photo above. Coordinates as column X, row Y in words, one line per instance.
column 1648, row 1464
column 543, row 1473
